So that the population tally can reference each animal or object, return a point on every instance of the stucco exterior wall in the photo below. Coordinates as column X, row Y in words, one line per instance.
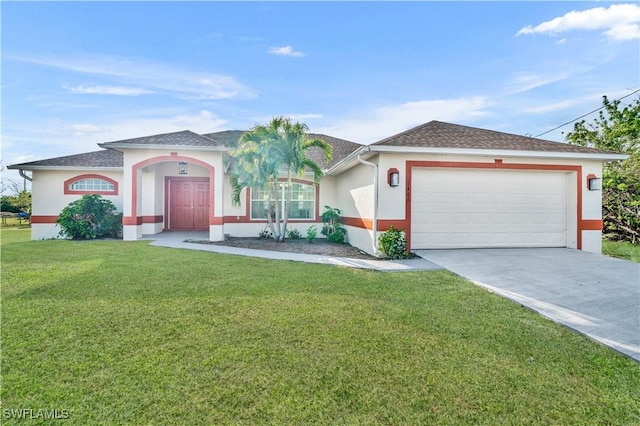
column 49, row 198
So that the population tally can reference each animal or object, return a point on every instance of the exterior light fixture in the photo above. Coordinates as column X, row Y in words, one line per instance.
column 182, row 168
column 594, row 183
column 393, row 177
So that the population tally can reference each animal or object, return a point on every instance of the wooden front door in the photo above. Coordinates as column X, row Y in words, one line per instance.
column 189, row 204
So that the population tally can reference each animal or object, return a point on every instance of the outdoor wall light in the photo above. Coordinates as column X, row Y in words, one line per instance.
column 594, row 183
column 393, row 177
column 182, row 168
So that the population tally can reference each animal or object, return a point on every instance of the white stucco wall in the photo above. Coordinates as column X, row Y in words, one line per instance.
column 48, row 197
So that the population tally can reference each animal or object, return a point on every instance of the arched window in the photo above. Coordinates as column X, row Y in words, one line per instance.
column 91, row 184
column 303, row 201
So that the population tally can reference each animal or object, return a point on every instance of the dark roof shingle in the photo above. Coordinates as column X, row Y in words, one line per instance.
column 102, row 158
column 436, row 134
column 183, row 138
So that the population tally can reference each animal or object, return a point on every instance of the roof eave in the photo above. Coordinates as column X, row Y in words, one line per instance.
column 499, row 152
column 348, row 161
column 63, row 168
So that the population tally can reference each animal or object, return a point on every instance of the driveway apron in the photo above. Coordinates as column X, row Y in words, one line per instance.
column 596, row 295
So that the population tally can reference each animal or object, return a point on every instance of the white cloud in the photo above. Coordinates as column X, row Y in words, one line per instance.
column 82, row 129
column 151, row 76
column 620, row 22
column 109, row 90
column 285, row 51
column 391, row 119
column 525, row 81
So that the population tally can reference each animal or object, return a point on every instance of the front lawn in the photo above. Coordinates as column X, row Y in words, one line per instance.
column 123, row 333
column 622, row 250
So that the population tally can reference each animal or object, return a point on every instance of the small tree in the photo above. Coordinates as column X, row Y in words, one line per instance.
column 90, row 217
column 332, row 227
column 264, row 154
column 616, row 129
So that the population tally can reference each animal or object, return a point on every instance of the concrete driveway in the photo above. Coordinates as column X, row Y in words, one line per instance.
column 598, row 296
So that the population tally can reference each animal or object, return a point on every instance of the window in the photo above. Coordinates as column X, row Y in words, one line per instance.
column 303, row 201
column 91, row 184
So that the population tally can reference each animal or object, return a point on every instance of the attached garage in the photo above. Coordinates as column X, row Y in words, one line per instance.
column 467, row 207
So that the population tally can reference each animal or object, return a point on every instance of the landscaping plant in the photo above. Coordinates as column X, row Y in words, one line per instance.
column 393, row 243
column 312, row 233
column 332, row 227
column 90, row 217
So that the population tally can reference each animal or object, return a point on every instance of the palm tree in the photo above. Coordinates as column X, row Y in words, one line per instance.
column 266, row 152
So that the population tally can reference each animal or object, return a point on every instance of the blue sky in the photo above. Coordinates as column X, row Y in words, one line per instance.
column 75, row 74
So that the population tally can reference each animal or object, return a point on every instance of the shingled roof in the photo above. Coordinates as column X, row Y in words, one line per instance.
column 106, row 158
column 183, row 138
column 436, row 134
column 341, row 147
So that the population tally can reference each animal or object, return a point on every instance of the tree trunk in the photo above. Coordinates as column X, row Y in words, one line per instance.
column 276, row 231
column 287, row 207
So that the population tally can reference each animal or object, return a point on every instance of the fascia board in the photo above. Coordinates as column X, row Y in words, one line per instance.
column 499, row 153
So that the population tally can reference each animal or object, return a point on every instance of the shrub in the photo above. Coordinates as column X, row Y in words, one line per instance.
column 293, row 234
column 312, row 233
column 332, row 227
column 90, row 217
column 265, row 234
column 393, row 243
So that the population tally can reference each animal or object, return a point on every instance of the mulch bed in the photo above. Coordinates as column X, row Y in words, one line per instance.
column 320, row 246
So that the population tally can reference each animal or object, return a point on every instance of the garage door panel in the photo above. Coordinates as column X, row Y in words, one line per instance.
column 456, row 208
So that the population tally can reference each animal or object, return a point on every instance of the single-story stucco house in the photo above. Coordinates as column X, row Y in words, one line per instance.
column 446, row 185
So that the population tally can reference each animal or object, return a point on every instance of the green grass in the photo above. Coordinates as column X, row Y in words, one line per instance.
column 622, row 250
column 123, row 333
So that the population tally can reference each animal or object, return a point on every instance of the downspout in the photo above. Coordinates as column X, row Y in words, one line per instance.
column 24, row 175
column 375, row 200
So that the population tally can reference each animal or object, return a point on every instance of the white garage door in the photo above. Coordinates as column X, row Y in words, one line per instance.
column 461, row 208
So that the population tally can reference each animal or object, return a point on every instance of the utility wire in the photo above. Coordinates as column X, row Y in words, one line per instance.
column 582, row 116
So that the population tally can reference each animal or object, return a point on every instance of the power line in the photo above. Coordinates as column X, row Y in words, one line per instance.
column 584, row 115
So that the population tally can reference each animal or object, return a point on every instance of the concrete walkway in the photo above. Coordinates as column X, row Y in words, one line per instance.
column 177, row 240
column 599, row 296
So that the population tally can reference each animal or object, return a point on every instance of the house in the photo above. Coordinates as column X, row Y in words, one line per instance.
column 447, row 185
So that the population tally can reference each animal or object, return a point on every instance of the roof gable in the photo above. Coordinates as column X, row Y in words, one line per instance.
column 437, row 134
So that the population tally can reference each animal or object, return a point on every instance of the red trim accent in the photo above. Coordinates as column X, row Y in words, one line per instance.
column 132, row 220
column 495, row 165
column 498, row 161
column 153, row 219
column 43, row 219
column 68, row 182
column 213, row 220
column 383, row 224
column 591, row 225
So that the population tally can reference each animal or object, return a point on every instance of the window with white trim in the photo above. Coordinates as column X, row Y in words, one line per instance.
column 91, row 184
column 303, row 201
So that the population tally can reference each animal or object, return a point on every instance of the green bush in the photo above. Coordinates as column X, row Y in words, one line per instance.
column 393, row 243
column 312, row 233
column 332, row 227
column 90, row 217
column 293, row 234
